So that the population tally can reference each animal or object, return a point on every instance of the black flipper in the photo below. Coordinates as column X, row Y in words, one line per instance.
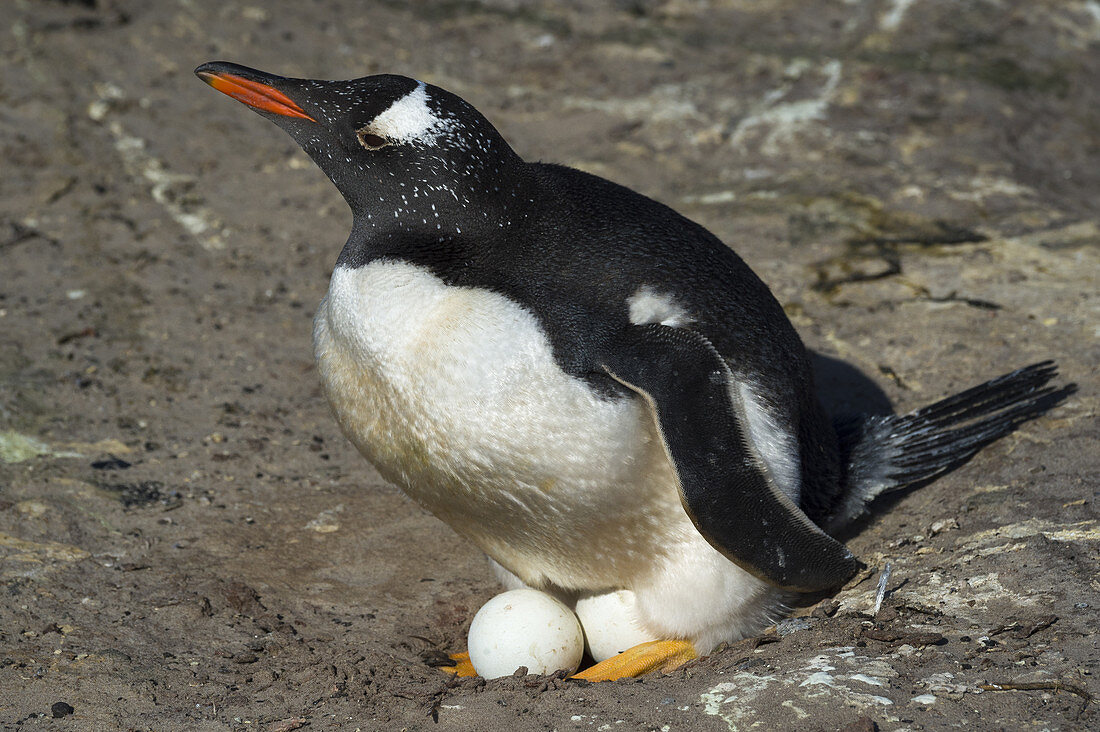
column 725, row 486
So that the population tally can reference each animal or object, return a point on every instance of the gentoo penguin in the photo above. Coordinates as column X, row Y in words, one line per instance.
column 590, row 387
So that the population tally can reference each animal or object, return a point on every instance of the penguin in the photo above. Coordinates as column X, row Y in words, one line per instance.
column 590, row 387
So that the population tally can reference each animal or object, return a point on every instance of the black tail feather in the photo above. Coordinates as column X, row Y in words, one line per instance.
column 928, row 457
column 985, row 398
column 892, row 453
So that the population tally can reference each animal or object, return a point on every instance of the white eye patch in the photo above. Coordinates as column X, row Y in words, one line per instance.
column 410, row 119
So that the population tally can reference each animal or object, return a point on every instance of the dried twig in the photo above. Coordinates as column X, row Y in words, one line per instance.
column 1038, row 686
column 882, row 580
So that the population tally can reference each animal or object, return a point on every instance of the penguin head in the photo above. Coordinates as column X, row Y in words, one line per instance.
column 407, row 156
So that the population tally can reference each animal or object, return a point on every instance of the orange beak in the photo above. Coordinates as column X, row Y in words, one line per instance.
column 254, row 94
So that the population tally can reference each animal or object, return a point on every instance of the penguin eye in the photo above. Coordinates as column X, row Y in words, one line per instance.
column 370, row 140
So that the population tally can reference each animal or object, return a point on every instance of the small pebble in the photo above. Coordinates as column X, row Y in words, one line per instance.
column 61, row 709
column 793, row 625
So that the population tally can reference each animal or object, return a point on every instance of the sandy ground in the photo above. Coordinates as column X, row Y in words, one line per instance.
column 187, row 542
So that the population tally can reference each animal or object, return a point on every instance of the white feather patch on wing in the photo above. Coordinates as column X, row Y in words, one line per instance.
column 775, row 446
column 647, row 305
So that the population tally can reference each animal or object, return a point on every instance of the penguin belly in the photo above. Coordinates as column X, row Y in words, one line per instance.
column 454, row 395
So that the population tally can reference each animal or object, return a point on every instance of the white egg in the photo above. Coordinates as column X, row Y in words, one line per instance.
column 609, row 623
column 524, row 627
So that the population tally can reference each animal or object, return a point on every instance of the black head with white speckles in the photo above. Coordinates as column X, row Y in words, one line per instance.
column 413, row 161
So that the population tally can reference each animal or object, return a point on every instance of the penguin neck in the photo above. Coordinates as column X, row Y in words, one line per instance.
column 441, row 225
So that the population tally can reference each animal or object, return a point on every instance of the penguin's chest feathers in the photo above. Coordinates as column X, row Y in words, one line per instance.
column 453, row 394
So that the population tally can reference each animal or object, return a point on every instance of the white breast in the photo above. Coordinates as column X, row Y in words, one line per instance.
column 453, row 394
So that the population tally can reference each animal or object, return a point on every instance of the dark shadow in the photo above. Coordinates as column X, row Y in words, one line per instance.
column 844, row 390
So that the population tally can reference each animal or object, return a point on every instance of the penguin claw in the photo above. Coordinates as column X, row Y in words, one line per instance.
column 644, row 658
column 462, row 667
column 640, row 660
